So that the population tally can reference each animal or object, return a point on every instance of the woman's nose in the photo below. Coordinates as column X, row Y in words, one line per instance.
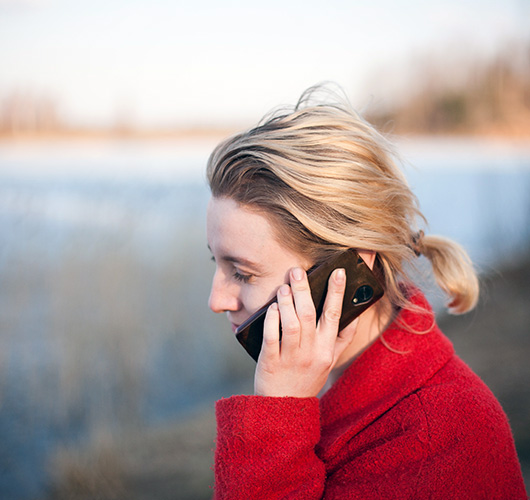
column 222, row 298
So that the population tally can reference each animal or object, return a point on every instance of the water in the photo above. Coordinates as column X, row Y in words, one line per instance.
column 105, row 276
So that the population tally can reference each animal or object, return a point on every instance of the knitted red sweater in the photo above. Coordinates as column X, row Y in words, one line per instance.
column 417, row 423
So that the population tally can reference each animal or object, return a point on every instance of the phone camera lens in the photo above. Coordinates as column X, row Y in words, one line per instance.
column 363, row 294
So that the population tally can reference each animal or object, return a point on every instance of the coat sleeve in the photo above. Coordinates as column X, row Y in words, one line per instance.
column 266, row 448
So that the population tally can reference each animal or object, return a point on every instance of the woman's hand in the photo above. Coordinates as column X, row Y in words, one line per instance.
column 300, row 364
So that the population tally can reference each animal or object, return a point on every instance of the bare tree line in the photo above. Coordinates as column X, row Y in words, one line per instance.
column 449, row 93
column 459, row 95
column 24, row 110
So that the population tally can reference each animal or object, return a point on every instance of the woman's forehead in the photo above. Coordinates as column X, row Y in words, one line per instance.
column 235, row 231
column 230, row 224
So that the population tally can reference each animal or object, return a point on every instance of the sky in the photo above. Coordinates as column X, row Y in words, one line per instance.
column 223, row 62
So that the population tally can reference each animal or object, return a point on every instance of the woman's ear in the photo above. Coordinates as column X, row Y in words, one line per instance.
column 368, row 256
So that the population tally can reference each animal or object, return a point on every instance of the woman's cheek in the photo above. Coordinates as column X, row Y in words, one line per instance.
column 257, row 297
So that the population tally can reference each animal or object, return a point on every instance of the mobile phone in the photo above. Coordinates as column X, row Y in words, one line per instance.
column 362, row 290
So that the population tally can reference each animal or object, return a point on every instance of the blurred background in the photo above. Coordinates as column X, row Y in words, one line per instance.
column 110, row 361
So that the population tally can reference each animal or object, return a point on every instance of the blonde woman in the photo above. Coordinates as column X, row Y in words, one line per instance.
column 383, row 408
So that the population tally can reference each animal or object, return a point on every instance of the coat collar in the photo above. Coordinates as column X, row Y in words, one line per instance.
column 396, row 365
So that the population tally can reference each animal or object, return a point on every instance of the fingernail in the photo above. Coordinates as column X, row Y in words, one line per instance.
column 340, row 276
column 298, row 274
column 285, row 290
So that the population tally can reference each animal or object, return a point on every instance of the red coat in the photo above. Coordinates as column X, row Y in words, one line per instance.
column 417, row 423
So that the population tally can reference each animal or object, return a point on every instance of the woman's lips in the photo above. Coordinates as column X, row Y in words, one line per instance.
column 234, row 327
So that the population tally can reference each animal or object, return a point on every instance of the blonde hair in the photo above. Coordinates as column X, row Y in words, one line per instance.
column 327, row 180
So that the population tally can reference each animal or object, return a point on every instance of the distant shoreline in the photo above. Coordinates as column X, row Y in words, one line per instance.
column 102, row 134
column 113, row 135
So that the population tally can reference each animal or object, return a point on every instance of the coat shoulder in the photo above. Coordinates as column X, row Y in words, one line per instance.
column 469, row 436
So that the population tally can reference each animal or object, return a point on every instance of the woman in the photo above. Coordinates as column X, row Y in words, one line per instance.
column 383, row 408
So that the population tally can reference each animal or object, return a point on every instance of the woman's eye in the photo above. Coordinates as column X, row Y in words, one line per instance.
column 245, row 278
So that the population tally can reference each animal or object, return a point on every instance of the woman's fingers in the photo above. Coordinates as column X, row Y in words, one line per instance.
column 331, row 312
column 270, row 348
column 295, row 311
column 305, row 308
column 289, row 320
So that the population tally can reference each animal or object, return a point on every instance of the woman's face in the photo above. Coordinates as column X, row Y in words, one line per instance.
column 250, row 262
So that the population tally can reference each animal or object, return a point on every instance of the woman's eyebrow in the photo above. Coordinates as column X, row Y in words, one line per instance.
column 240, row 261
